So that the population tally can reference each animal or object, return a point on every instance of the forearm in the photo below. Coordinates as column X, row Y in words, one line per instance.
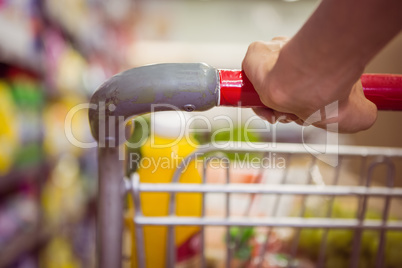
column 323, row 62
column 342, row 36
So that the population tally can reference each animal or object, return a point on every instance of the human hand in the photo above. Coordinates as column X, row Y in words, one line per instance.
column 298, row 92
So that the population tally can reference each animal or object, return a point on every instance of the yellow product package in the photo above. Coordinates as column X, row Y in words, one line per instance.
column 164, row 150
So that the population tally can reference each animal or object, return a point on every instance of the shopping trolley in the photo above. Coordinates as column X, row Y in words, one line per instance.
column 199, row 87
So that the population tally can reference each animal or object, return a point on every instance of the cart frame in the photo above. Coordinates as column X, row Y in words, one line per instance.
column 196, row 87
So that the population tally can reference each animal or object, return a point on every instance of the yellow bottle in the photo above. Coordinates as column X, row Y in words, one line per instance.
column 161, row 155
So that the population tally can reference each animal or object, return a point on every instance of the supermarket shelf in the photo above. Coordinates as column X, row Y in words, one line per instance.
column 17, row 48
column 14, row 178
column 23, row 243
column 31, row 64
column 33, row 239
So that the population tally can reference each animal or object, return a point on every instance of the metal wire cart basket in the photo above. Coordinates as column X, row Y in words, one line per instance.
column 302, row 213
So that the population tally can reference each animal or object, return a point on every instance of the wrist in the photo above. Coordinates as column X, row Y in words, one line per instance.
column 320, row 61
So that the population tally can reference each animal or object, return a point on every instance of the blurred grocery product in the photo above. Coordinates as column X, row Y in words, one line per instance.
column 160, row 156
column 63, row 197
column 47, row 182
column 59, row 253
column 339, row 242
column 8, row 131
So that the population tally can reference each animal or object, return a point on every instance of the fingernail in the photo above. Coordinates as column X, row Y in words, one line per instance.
column 285, row 121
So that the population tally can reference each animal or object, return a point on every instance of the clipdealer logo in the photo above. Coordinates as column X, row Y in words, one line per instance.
column 326, row 151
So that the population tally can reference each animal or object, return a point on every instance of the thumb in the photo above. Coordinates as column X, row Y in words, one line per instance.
column 357, row 112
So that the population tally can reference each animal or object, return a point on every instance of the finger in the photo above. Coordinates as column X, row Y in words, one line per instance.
column 285, row 117
column 359, row 113
column 266, row 114
column 351, row 115
column 281, row 38
column 277, row 44
column 300, row 122
column 274, row 46
column 259, row 60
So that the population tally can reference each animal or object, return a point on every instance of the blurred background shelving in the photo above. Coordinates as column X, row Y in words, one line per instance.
column 50, row 61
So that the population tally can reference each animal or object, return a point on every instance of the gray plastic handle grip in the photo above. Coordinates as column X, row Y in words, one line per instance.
column 186, row 86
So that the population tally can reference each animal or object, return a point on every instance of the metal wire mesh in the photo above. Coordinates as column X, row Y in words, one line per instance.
column 304, row 179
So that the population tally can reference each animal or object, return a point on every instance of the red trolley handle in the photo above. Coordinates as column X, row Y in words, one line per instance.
column 384, row 90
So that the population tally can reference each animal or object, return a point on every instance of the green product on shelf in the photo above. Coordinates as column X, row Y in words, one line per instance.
column 29, row 100
column 237, row 134
column 339, row 243
column 27, row 93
